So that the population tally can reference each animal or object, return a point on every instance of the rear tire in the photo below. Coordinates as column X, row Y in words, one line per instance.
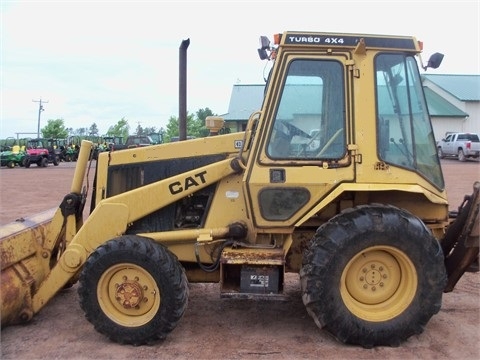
column 461, row 155
column 373, row 275
column 133, row 290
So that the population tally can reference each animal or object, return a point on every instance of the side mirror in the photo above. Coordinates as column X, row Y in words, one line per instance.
column 434, row 61
column 264, row 42
column 262, row 53
column 264, row 46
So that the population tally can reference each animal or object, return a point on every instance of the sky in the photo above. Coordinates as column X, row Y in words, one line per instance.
column 101, row 61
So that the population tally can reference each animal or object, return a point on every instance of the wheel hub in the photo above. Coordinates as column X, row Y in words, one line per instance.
column 373, row 277
column 129, row 294
column 378, row 283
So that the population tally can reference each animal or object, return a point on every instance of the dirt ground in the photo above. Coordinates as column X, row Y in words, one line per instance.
column 215, row 328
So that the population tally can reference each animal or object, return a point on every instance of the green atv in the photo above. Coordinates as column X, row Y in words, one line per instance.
column 13, row 156
column 70, row 153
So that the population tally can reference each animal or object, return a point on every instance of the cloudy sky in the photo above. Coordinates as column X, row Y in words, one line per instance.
column 100, row 61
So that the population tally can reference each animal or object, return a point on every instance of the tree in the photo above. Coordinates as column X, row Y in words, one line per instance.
column 80, row 131
column 120, row 129
column 195, row 125
column 93, row 130
column 55, row 129
column 139, row 130
column 150, row 130
column 173, row 129
column 202, row 115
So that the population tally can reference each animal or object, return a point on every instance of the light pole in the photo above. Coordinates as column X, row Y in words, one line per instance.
column 40, row 109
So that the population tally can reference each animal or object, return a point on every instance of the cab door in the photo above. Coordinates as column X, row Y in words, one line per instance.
column 302, row 147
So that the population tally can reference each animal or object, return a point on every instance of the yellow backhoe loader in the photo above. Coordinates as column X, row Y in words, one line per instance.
column 336, row 178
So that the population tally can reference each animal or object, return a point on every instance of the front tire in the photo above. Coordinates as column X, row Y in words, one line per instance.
column 373, row 275
column 441, row 155
column 133, row 290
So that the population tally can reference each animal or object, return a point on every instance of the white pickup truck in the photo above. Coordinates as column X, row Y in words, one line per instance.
column 461, row 145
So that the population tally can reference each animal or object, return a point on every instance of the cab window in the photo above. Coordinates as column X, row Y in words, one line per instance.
column 310, row 118
column 405, row 135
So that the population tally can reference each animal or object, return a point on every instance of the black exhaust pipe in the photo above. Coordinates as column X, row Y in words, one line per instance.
column 182, row 102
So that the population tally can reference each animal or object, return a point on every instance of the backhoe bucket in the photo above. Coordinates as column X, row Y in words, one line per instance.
column 462, row 238
column 31, row 247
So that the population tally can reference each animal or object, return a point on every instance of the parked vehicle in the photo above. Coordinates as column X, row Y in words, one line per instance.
column 459, row 144
column 157, row 138
column 116, row 143
column 107, row 143
column 15, row 156
column 362, row 216
column 42, row 152
column 138, row 141
column 69, row 151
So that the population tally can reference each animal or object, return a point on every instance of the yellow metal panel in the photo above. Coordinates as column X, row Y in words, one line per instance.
column 366, row 188
column 225, row 144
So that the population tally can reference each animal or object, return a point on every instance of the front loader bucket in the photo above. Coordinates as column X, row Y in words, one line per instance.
column 30, row 248
column 22, row 269
column 462, row 238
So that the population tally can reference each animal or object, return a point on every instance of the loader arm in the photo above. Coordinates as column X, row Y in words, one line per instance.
column 30, row 247
column 112, row 216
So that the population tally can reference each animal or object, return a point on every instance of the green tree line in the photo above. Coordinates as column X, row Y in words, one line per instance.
column 56, row 128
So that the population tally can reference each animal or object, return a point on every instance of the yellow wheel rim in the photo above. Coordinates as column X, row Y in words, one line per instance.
column 128, row 295
column 379, row 283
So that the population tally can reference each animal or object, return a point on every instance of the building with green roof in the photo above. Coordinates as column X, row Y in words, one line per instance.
column 453, row 103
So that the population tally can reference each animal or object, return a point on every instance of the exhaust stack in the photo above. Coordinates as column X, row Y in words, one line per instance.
column 182, row 99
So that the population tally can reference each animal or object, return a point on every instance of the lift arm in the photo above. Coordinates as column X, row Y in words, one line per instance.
column 112, row 216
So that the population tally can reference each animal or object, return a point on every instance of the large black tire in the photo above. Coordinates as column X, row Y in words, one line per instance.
column 26, row 162
column 373, row 275
column 133, row 290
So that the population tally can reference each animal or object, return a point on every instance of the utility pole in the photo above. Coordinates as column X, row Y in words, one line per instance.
column 40, row 109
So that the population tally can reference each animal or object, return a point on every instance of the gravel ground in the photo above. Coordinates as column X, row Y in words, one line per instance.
column 215, row 328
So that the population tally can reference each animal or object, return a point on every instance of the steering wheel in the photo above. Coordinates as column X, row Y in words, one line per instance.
column 292, row 130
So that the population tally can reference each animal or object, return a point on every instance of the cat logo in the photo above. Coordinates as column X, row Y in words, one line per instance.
column 177, row 187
